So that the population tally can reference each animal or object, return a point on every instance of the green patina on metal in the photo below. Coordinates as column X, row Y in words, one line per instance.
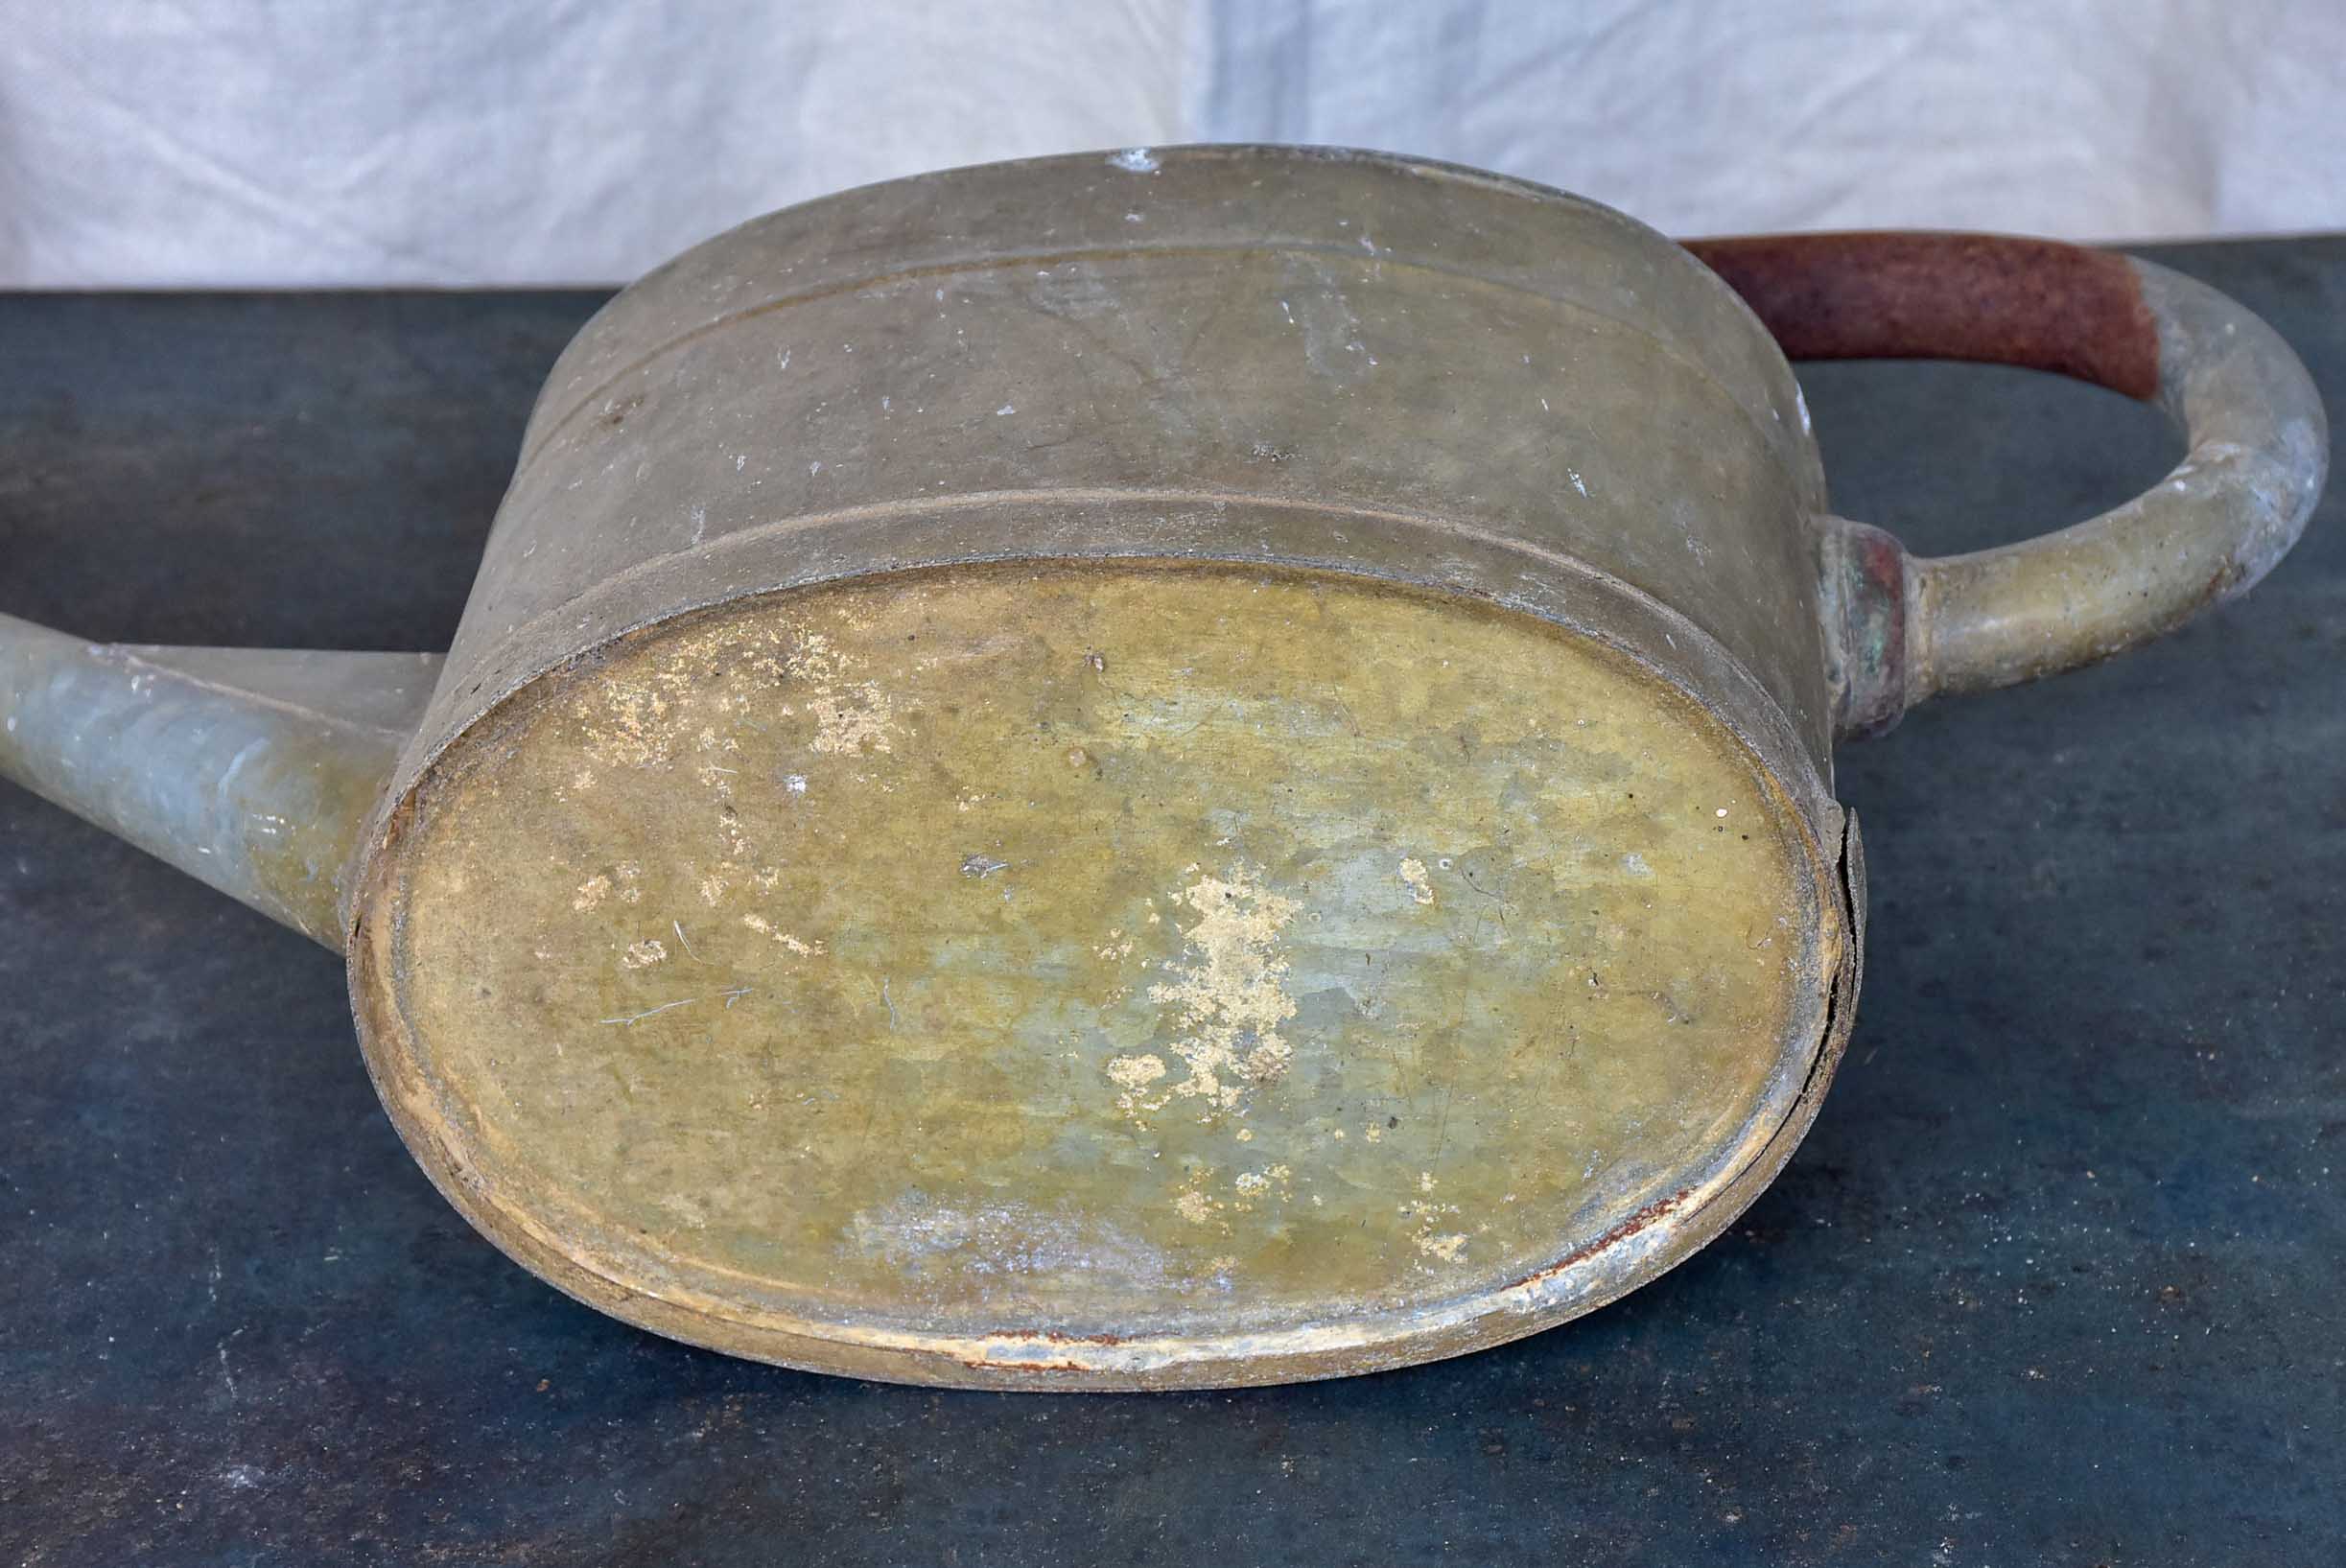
column 1132, row 950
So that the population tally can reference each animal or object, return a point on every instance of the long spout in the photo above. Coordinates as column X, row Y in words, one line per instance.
column 252, row 770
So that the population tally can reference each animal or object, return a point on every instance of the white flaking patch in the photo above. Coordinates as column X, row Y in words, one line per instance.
column 1229, row 994
column 1136, row 1072
column 638, row 720
column 849, row 721
column 643, row 956
column 765, row 928
column 1430, row 1238
column 1413, row 878
column 849, row 716
column 1136, row 160
column 1271, row 1180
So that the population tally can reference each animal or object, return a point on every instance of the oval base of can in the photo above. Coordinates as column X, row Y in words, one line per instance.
column 1101, row 975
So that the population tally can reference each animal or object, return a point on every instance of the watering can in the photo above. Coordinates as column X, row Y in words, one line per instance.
column 1170, row 769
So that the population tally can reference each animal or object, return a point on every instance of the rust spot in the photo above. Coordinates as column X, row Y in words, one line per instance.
column 1866, row 570
column 2220, row 586
column 2035, row 303
column 1054, row 1336
column 981, row 1365
column 1646, row 1216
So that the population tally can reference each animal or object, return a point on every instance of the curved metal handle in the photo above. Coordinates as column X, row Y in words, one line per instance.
column 1909, row 627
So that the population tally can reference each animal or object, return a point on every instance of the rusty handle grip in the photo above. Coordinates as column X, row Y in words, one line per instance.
column 1907, row 627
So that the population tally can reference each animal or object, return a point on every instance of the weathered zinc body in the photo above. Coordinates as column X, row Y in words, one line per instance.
column 1161, row 770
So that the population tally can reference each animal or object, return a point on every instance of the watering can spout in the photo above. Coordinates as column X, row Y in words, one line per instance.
column 253, row 770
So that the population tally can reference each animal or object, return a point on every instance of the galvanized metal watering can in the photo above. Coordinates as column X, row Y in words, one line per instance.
column 1189, row 768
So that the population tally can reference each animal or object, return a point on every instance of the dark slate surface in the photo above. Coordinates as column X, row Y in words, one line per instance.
column 2056, row 1280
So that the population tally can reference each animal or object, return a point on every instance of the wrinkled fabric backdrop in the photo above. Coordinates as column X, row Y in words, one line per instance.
column 334, row 142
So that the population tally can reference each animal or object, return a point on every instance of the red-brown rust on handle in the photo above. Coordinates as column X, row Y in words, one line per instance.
column 2035, row 303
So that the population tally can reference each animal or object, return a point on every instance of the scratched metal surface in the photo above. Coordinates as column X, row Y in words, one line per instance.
column 2056, row 1279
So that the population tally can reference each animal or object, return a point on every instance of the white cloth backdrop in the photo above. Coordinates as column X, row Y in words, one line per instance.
column 172, row 142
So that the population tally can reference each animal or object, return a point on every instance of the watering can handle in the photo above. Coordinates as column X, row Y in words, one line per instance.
column 1907, row 627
